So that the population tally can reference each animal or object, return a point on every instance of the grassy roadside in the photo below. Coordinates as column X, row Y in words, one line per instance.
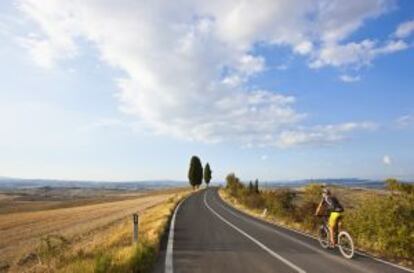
column 258, row 213
column 112, row 250
column 281, row 218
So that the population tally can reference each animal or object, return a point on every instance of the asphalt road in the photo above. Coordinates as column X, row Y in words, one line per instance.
column 207, row 235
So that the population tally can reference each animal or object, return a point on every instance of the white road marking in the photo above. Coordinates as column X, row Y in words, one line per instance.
column 261, row 245
column 319, row 250
column 169, row 255
column 289, row 237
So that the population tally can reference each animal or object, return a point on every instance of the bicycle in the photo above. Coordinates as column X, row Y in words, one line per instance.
column 343, row 239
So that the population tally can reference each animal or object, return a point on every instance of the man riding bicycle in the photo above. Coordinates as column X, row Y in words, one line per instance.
column 333, row 209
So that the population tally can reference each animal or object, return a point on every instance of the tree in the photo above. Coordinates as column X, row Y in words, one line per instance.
column 233, row 185
column 256, row 186
column 392, row 185
column 207, row 174
column 251, row 187
column 195, row 172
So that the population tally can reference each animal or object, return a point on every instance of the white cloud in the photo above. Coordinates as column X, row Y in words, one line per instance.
column 386, row 160
column 187, row 64
column 354, row 53
column 320, row 135
column 390, row 47
column 338, row 55
column 233, row 80
column 57, row 41
column 349, row 79
column 45, row 52
column 188, row 24
column 405, row 29
column 246, row 66
column 303, row 48
column 249, row 64
column 405, row 121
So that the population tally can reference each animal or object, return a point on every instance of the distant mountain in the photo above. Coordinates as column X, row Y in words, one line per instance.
column 16, row 183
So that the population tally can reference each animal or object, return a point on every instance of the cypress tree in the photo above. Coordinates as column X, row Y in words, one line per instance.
column 207, row 174
column 256, row 186
column 195, row 172
column 251, row 188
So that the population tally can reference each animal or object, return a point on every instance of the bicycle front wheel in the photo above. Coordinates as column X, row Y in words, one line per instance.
column 346, row 244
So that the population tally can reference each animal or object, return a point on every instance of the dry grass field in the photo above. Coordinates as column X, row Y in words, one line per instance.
column 81, row 227
column 34, row 199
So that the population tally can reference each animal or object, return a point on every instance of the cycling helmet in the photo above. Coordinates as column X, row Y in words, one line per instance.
column 325, row 191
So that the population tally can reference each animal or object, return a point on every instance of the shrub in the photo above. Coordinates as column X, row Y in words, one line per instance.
column 313, row 193
column 280, row 202
column 246, row 195
column 304, row 214
column 384, row 225
column 380, row 223
column 234, row 186
column 253, row 200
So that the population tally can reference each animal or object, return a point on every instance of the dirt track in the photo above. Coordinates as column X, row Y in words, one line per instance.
column 20, row 232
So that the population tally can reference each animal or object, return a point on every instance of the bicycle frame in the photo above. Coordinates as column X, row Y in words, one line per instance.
column 337, row 228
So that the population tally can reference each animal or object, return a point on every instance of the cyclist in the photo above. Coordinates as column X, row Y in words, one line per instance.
column 333, row 208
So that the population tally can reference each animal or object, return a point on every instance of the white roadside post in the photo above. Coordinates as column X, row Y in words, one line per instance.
column 135, row 221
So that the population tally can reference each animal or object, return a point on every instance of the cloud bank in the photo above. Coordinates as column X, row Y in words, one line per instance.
column 187, row 64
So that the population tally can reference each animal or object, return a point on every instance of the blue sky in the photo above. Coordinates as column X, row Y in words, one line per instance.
column 127, row 90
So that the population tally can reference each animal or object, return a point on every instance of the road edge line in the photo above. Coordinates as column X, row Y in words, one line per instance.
column 316, row 238
column 170, row 243
column 261, row 245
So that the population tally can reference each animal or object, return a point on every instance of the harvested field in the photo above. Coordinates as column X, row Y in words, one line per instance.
column 37, row 199
column 20, row 232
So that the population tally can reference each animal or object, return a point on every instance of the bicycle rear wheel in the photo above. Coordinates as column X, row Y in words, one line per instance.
column 323, row 236
column 346, row 244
